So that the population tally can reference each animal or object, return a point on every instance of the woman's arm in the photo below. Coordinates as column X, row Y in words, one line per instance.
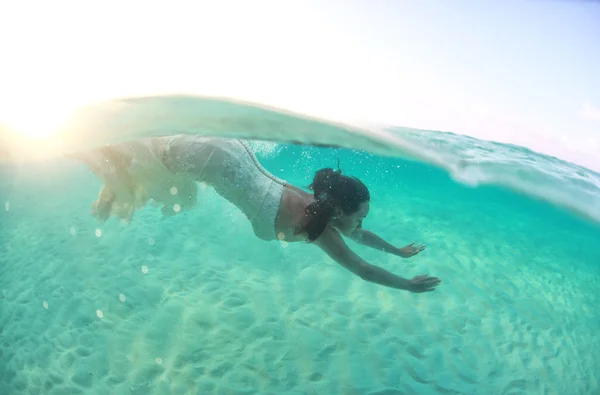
column 332, row 243
column 370, row 239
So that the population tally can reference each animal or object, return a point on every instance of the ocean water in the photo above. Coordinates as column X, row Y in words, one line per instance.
column 195, row 304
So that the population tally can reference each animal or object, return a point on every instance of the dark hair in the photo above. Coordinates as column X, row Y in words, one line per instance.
column 332, row 190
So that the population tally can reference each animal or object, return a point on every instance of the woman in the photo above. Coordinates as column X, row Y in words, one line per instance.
column 166, row 169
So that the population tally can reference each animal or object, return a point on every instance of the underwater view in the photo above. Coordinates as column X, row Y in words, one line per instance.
column 196, row 303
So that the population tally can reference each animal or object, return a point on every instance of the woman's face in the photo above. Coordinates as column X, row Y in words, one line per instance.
column 348, row 223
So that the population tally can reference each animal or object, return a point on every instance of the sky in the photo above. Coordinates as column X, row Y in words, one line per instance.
column 525, row 72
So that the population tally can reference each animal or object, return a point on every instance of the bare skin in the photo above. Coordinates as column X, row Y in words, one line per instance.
column 132, row 186
column 291, row 213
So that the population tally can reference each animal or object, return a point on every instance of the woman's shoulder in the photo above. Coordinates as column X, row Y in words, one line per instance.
column 299, row 191
column 294, row 201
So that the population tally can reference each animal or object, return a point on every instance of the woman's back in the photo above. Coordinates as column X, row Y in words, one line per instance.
column 291, row 213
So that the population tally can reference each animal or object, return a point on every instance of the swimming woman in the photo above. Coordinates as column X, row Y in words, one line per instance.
column 165, row 169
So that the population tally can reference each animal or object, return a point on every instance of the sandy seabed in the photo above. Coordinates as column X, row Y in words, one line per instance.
column 196, row 305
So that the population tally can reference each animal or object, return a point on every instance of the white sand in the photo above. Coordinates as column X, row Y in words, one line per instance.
column 219, row 312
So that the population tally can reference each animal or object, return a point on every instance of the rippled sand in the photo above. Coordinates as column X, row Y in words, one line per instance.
column 192, row 305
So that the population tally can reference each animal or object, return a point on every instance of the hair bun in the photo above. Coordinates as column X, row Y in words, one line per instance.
column 325, row 180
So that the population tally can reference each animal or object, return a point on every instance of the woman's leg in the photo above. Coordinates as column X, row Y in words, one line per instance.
column 132, row 174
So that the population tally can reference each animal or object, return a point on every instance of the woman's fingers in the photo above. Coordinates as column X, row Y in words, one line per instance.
column 415, row 249
column 424, row 279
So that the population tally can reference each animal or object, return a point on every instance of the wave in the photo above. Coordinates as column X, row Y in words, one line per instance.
column 474, row 162
column 468, row 160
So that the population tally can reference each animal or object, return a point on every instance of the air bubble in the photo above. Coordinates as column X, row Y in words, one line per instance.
column 145, row 269
column 158, row 361
column 99, row 313
column 72, row 231
column 45, row 304
column 176, row 208
column 174, row 191
column 122, row 298
column 98, row 233
column 281, row 235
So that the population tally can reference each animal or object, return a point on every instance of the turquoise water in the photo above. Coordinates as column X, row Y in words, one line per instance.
column 197, row 305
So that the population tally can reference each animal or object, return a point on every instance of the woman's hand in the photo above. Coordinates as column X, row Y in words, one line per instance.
column 410, row 250
column 423, row 283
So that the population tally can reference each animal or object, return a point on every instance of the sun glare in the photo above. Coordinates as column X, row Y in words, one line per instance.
column 35, row 122
column 32, row 130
